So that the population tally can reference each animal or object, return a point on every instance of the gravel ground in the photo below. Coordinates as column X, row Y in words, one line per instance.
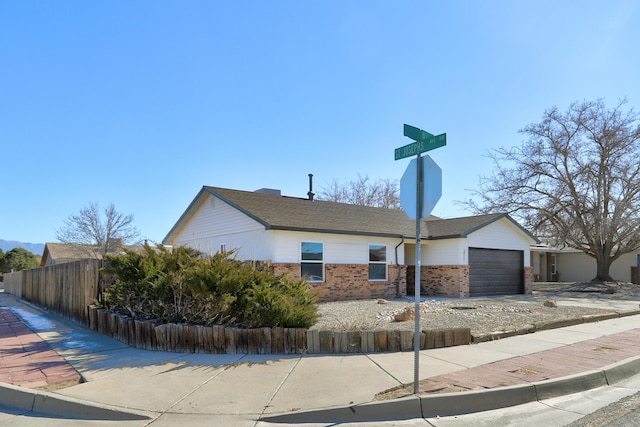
column 481, row 315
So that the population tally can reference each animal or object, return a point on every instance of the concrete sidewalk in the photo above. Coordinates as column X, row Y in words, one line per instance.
column 138, row 387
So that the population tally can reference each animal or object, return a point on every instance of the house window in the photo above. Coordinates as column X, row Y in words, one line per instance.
column 311, row 261
column 377, row 262
column 553, row 264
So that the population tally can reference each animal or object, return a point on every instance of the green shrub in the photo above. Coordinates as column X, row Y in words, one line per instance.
column 279, row 301
column 181, row 285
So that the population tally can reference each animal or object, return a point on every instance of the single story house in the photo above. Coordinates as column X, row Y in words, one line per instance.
column 58, row 253
column 353, row 252
column 564, row 264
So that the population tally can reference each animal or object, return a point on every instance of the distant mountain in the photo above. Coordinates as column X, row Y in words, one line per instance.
column 34, row 248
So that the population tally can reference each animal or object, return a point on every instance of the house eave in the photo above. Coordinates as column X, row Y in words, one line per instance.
column 495, row 219
column 341, row 232
column 451, row 236
column 238, row 208
column 187, row 212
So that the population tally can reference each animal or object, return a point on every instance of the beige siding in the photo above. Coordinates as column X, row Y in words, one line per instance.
column 338, row 249
column 575, row 266
column 502, row 234
column 442, row 252
column 579, row 267
column 214, row 223
column 621, row 269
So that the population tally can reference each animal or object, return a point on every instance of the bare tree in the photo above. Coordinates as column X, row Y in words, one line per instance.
column 91, row 228
column 576, row 180
column 382, row 194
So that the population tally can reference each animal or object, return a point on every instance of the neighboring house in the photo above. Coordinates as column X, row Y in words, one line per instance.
column 565, row 264
column 58, row 253
column 350, row 252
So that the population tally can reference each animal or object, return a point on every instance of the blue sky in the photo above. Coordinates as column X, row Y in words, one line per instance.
column 142, row 103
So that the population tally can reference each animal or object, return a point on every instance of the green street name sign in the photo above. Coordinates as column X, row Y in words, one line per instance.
column 421, row 146
column 415, row 133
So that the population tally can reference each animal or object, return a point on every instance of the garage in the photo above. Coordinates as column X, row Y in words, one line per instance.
column 495, row 272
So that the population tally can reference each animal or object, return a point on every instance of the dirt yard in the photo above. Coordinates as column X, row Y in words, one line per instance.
column 481, row 315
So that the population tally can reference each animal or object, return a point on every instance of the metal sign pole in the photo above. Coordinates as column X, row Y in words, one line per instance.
column 424, row 141
column 416, row 334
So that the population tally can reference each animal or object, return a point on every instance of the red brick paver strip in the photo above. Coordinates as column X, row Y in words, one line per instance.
column 549, row 364
column 27, row 361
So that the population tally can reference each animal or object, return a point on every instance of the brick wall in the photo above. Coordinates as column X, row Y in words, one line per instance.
column 351, row 281
column 281, row 268
column 445, row 280
column 528, row 280
column 441, row 280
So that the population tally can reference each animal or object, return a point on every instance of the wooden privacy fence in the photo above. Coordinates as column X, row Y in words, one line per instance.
column 12, row 283
column 67, row 289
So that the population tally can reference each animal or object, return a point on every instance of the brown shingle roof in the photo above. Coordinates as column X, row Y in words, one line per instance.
column 458, row 227
column 278, row 212
column 291, row 213
column 72, row 251
column 65, row 252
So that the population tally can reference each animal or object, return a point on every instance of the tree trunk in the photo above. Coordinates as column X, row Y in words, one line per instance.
column 602, row 270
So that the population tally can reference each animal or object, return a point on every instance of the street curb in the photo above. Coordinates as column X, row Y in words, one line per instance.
column 570, row 384
column 61, row 406
column 622, row 370
column 552, row 324
column 398, row 409
column 448, row 404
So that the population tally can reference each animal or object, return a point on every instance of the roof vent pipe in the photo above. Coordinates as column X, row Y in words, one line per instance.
column 311, row 193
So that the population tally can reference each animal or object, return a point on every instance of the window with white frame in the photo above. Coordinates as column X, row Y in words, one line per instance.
column 377, row 262
column 312, row 261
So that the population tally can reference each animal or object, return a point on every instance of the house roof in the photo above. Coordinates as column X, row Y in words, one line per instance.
column 463, row 226
column 276, row 212
column 67, row 252
column 61, row 252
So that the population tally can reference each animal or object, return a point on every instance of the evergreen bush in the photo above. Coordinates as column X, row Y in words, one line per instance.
column 183, row 286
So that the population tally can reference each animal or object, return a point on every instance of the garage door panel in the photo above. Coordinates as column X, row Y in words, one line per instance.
column 495, row 272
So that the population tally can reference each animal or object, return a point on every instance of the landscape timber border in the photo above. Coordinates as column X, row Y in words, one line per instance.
column 221, row 339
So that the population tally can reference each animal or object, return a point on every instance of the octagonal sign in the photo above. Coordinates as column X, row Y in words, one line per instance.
column 431, row 187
